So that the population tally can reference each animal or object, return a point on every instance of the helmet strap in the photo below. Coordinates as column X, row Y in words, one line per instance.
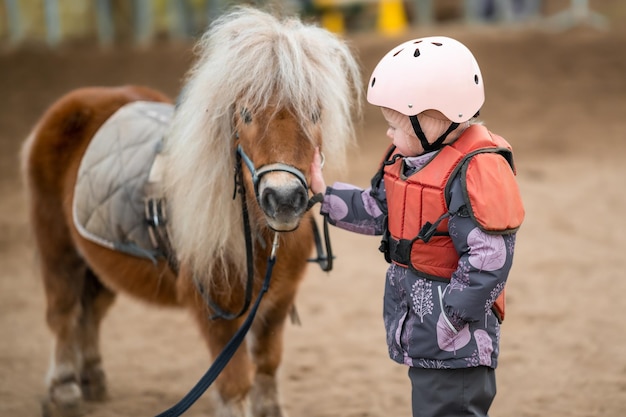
column 438, row 144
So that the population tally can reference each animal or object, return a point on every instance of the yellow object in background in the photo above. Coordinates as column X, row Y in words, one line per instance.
column 391, row 17
column 331, row 17
column 333, row 21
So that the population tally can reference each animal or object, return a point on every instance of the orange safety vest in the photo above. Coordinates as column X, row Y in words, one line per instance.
column 418, row 204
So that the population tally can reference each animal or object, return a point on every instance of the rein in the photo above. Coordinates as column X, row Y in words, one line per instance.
column 324, row 260
column 229, row 350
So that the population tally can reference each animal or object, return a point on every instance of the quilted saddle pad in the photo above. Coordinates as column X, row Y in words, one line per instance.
column 109, row 199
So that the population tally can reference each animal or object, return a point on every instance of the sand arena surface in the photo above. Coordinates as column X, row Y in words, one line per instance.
column 558, row 98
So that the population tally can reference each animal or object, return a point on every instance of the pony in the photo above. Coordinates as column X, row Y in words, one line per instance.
column 263, row 89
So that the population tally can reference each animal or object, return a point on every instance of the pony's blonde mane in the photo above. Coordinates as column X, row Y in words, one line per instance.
column 252, row 57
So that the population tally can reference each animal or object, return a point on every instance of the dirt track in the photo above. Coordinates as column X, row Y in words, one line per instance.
column 558, row 98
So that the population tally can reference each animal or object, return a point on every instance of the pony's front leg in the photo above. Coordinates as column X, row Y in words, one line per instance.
column 266, row 347
column 240, row 390
column 234, row 382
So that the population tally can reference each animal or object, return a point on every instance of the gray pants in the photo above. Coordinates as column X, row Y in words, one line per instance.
column 452, row 392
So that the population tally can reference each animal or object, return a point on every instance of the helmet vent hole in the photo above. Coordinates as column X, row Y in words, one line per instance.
column 416, row 53
column 476, row 78
column 396, row 54
column 437, row 43
column 373, row 81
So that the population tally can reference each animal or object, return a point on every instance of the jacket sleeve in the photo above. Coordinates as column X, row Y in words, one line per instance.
column 354, row 209
column 484, row 264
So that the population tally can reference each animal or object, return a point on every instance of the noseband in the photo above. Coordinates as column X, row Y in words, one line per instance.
column 257, row 174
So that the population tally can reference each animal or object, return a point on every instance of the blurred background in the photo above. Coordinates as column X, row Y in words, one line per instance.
column 57, row 22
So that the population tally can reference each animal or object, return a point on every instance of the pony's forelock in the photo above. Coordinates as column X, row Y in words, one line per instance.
column 248, row 57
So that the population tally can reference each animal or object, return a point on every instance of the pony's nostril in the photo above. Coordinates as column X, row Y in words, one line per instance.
column 269, row 201
column 300, row 199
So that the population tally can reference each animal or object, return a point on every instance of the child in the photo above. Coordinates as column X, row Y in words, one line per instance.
column 447, row 204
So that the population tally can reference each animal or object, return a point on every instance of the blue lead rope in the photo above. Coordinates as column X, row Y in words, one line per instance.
column 224, row 357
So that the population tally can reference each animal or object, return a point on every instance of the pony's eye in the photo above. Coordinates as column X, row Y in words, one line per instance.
column 315, row 117
column 246, row 116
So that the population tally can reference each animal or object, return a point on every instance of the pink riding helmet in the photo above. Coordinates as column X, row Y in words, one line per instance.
column 437, row 73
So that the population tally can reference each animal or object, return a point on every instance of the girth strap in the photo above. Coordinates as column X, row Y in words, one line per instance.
column 156, row 214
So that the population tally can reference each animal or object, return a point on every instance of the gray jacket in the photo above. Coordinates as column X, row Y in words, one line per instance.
column 434, row 324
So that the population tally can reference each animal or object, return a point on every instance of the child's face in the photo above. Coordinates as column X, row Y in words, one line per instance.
column 406, row 144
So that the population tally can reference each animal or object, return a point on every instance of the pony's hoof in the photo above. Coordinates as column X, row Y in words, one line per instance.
column 268, row 411
column 65, row 400
column 49, row 408
column 264, row 397
column 93, row 385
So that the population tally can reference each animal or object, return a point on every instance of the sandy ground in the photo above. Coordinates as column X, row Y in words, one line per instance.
column 557, row 97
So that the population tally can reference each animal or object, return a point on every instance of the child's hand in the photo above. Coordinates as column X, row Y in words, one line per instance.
column 318, row 185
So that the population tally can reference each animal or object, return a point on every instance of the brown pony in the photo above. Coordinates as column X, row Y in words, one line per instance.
column 275, row 87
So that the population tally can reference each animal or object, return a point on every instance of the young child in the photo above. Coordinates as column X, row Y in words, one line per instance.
column 447, row 204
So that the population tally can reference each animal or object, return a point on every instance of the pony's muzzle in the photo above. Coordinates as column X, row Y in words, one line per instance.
column 283, row 199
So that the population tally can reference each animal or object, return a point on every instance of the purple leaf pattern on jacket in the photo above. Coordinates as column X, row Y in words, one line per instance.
column 422, row 296
column 485, row 347
column 338, row 208
column 487, row 252
column 447, row 339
